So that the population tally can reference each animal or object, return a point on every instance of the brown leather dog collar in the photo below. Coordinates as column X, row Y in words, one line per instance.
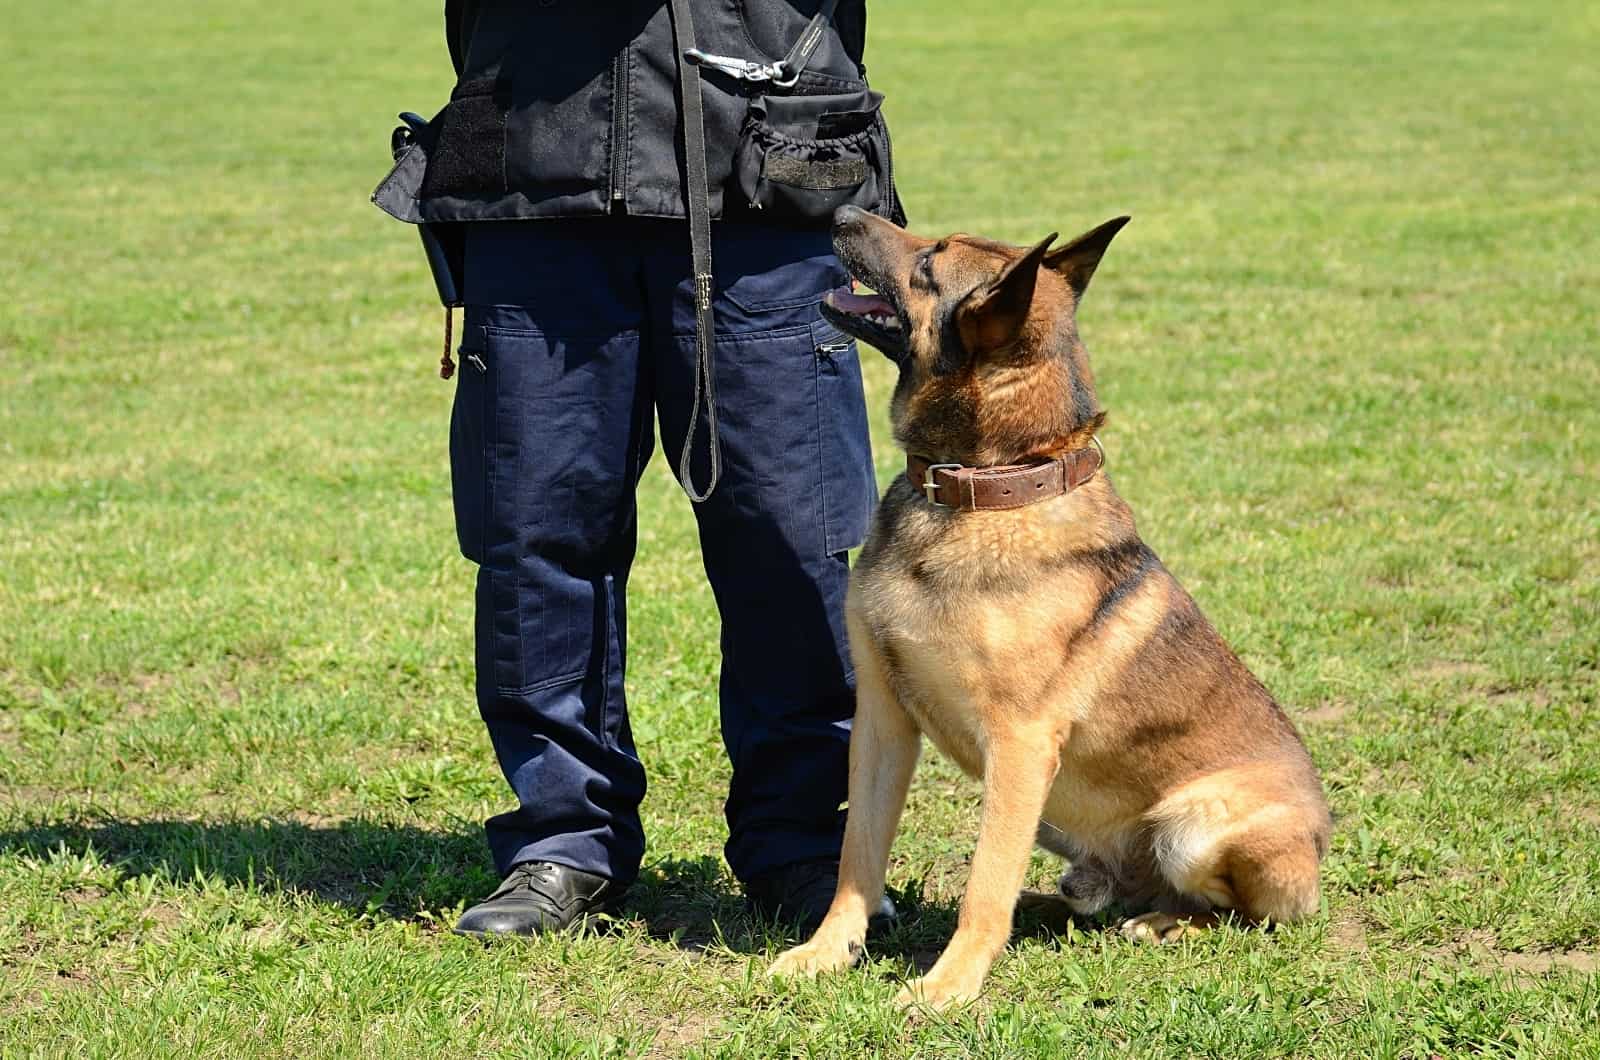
column 1005, row 485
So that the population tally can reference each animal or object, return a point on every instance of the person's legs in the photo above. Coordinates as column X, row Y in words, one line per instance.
column 550, row 430
column 796, row 492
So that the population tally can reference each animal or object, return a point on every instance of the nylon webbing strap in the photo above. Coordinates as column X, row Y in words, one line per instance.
column 803, row 48
column 785, row 73
column 698, row 206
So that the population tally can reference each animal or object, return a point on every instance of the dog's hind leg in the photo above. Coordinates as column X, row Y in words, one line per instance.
column 884, row 744
column 1019, row 767
column 1229, row 843
column 1088, row 886
column 1276, row 874
column 1265, row 876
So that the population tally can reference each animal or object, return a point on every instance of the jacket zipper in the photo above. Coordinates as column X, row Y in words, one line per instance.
column 619, row 129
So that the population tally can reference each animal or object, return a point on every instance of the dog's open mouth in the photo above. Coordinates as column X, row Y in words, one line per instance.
column 869, row 317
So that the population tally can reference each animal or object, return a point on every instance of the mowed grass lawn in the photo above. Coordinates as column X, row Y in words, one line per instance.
column 1351, row 354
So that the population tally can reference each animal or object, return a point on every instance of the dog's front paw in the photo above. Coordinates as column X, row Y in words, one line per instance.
column 939, row 992
column 814, row 958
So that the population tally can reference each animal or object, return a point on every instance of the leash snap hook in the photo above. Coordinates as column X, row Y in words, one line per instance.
column 733, row 66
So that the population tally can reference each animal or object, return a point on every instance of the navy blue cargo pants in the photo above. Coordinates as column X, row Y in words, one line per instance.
column 578, row 335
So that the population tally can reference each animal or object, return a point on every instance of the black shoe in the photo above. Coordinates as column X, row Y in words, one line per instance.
column 799, row 895
column 540, row 896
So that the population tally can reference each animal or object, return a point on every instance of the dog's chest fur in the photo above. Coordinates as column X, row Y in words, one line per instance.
column 971, row 615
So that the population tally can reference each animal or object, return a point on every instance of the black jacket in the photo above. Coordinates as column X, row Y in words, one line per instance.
column 569, row 108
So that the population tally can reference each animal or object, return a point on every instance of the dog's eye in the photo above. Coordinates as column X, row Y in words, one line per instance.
column 925, row 268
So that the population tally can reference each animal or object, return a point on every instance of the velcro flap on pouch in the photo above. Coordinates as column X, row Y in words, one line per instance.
column 822, row 176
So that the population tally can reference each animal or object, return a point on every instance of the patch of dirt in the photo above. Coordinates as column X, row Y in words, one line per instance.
column 29, row 794
column 47, row 992
column 145, row 686
column 163, row 916
column 315, row 820
column 1441, row 669
column 136, row 710
column 679, row 1032
column 72, row 979
column 1540, row 963
column 1349, row 934
column 1478, row 948
column 1537, row 696
column 1327, row 712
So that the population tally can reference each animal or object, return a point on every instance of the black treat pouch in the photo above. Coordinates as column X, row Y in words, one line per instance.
column 802, row 157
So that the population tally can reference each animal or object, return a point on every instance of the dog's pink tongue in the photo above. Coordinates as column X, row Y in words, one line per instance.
column 847, row 301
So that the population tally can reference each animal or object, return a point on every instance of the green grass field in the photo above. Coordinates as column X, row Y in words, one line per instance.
column 1351, row 350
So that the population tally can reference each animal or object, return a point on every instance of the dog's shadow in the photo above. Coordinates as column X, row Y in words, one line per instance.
column 404, row 872
column 926, row 925
column 690, row 903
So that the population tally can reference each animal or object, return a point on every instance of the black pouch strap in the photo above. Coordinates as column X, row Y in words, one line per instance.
column 784, row 73
column 806, row 46
column 698, row 204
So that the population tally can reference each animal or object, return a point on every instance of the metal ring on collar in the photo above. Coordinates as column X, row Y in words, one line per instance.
column 1094, row 440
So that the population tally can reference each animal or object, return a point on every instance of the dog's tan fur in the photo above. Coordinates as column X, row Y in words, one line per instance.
column 1044, row 649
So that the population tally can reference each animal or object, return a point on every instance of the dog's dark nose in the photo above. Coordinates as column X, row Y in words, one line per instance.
column 846, row 216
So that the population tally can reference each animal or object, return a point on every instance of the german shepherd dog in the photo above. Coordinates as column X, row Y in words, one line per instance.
column 1039, row 642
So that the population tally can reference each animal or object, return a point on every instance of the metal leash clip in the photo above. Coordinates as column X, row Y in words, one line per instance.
column 744, row 69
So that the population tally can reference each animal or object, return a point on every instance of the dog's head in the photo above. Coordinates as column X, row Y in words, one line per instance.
column 985, row 334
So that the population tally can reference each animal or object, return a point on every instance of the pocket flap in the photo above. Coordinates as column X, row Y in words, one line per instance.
column 397, row 194
column 818, row 117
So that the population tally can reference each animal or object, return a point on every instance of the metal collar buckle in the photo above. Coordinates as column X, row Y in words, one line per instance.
column 930, row 487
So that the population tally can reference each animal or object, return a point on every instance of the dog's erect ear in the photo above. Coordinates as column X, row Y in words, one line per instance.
column 1077, row 260
column 991, row 317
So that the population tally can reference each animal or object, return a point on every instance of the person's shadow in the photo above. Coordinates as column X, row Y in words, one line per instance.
column 406, row 872
column 369, row 867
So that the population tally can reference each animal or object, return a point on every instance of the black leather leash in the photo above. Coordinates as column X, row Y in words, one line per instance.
column 783, row 74
column 699, row 209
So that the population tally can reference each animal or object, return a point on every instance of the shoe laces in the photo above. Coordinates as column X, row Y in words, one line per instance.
column 538, row 877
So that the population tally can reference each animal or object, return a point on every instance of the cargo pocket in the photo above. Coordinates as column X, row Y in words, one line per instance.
column 469, row 464
column 849, row 487
column 554, row 489
column 744, row 279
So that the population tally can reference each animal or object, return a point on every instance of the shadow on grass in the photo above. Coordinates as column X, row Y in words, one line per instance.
column 405, row 872
column 370, row 867
column 690, row 904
